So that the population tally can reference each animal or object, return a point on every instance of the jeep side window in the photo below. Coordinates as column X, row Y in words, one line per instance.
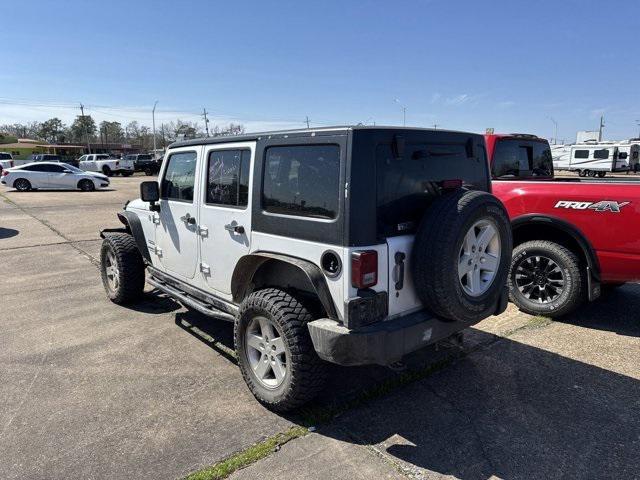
column 302, row 180
column 228, row 177
column 179, row 177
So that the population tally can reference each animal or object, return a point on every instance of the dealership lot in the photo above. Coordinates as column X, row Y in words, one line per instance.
column 93, row 390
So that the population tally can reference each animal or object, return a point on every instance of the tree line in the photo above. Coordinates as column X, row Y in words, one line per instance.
column 84, row 129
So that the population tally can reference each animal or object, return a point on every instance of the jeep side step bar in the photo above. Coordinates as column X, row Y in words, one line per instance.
column 190, row 301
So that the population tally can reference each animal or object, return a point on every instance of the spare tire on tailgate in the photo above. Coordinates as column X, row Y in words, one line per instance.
column 461, row 255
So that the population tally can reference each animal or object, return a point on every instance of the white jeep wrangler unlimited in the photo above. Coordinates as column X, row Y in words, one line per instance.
column 352, row 245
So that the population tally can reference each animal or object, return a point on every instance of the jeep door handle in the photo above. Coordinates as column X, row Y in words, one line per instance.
column 239, row 229
column 188, row 219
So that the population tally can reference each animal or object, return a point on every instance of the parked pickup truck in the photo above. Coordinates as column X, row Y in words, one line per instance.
column 6, row 160
column 571, row 236
column 144, row 162
column 103, row 163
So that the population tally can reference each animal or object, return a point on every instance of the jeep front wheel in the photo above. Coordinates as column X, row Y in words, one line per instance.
column 121, row 268
column 275, row 352
column 545, row 279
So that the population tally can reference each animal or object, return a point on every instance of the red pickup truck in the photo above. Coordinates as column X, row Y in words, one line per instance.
column 571, row 236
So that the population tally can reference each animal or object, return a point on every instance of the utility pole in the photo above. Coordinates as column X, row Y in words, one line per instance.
column 162, row 132
column 206, row 120
column 84, row 127
column 435, row 126
column 153, row 116
column 555, row 135
column 307, row 120
column 601, row 127
column 404, row 112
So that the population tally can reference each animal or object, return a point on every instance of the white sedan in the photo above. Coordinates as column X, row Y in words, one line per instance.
column 52, row 175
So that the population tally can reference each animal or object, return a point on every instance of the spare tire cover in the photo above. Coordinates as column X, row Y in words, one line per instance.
column 461, row 255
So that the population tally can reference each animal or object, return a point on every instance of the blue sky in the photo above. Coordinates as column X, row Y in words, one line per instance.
column 462, row 65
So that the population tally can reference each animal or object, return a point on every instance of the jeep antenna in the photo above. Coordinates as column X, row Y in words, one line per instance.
column 307, row 120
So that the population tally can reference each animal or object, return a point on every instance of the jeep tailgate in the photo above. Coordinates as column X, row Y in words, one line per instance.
column 402, row 294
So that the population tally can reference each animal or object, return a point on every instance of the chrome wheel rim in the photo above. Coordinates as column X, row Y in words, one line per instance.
column 111, row 271
column 266, row 352
column 539, row 279
column 479, row 258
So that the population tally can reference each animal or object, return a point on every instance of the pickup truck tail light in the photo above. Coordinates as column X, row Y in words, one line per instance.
column 117, row 163
column 364, row 268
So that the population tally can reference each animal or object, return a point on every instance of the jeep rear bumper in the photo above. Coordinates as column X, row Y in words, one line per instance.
column 381, row 343
column 384, row 342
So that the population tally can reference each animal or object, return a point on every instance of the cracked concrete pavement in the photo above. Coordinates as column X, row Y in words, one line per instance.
column 92, row 390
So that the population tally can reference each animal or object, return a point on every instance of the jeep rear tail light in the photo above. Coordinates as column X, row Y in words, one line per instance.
column 364, row 268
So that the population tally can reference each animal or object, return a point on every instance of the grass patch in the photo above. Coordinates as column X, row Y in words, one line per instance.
column 245, row 458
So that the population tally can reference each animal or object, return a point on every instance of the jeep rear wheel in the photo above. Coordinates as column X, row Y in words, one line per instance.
column 121, row 268
column 462, row 254
column 275, row 352
column 546, row 279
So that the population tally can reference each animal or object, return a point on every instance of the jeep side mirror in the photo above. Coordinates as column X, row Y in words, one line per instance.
column 150, row 192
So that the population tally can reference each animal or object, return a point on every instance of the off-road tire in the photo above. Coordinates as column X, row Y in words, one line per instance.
column 130, row 268
column 86, row 185
column 574, row 290
column 306, row 372
column 436, row 254
column 107, row 171
column 148, row 171
column 22, row 185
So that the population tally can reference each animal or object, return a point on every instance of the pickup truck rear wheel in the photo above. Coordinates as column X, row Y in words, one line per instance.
column 461, row 255
column 107, row 171
column 121, row 268
column 546, row 279
column 275, row 352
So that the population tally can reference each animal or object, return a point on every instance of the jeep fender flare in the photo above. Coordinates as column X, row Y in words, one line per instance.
column 133, row 226
column 248, row 265
column 566, row 228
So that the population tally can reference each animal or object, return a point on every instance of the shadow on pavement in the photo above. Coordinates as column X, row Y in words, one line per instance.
column 509, row 411
column 617, row 311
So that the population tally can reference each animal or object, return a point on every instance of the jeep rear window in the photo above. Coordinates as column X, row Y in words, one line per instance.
column 521, row 159
column 302, row 180
column 228, row 177
column 407, row 185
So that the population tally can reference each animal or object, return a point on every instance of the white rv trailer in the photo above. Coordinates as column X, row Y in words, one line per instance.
column 596, row 159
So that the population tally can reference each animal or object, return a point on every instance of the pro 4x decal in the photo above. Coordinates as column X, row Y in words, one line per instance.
column 602, row 206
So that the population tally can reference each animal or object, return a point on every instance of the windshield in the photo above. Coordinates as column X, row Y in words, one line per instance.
column 521, row 159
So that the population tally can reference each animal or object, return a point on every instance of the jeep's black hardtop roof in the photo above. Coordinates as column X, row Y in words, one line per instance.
column 303, row 132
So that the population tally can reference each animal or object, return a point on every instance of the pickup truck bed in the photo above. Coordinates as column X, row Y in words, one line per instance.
column 605, row 213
